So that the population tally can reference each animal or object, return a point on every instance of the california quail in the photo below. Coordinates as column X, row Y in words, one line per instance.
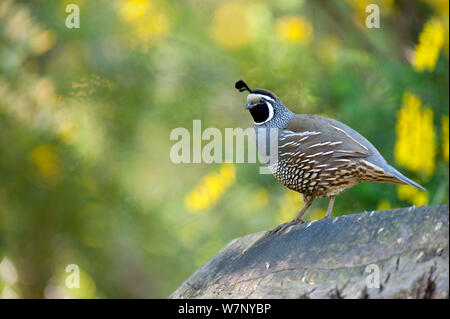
column 317, row 156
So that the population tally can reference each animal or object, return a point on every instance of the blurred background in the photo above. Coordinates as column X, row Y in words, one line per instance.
column 86, row 114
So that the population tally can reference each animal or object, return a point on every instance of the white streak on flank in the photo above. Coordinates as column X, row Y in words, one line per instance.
column 320, row 144
column 270, row 114
column 335, row 143
column 322, row 165
column 303, row 138
column 342, row 160
column 341, row 130
column 290, row 143
column 291, row 133
column 329, row 152
column 331, row 169
column 313, row 155
column 347, row 151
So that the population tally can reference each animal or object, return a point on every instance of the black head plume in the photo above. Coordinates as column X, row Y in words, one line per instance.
column 241, row 86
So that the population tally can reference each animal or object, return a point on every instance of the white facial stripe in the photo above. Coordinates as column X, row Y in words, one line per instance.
column 270, row 114
column 265, row 97
column 253, row 97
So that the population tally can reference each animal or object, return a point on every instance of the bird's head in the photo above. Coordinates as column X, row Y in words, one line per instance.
column 262, row 104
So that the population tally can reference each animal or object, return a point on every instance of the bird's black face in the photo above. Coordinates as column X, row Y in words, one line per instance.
column 262, row 104
column 261, row 107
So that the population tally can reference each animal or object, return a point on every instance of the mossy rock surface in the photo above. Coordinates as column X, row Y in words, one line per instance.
column 335, row 258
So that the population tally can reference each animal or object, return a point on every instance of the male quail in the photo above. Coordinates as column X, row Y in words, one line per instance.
column 317, row 156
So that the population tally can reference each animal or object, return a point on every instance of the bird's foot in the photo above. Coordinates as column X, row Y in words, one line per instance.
column 282, row 227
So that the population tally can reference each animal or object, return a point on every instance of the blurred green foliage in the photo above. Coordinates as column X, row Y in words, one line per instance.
column 86, row 114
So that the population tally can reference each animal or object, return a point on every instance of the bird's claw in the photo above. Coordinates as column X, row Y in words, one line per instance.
column 282, row 227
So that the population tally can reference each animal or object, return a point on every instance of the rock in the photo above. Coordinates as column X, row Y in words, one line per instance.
column 335, row 258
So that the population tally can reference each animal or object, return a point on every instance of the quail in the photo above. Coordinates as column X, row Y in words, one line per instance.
column 317, row 156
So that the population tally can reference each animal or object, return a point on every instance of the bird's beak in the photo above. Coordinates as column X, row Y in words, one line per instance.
column 249, row 106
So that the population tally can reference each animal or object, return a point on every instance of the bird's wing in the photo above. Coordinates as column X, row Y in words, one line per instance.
column 320, row 142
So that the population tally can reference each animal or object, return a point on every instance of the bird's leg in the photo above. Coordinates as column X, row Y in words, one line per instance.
column 296, row 220
column 330, row 207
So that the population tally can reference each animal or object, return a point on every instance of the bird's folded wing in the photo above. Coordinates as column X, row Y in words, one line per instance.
column 321, row 146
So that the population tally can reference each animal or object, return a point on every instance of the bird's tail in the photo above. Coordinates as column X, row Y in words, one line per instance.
column 401, row 178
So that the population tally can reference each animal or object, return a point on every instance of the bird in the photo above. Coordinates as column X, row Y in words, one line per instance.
column 317, row 156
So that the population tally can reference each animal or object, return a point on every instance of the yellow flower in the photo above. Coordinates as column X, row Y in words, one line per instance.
column 441, row 10
column 384, row 205
column 153, row 27
column 210, row 190
column 412, row 195
column 431, row 40
column 228, row 172
column 146, row 17
column 415, row 147
column 46, row 160
column 295, row 29
column 444, row 121
column 290, row 204
column 315, row 214
column 230, row 27
column 131, row 10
